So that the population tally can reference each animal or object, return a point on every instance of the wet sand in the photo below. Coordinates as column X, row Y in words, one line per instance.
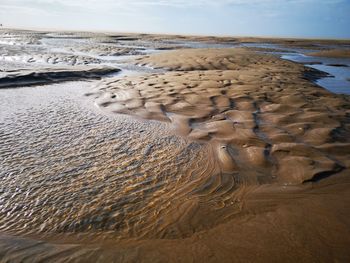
column 204, row 155
column 47, row 76
column 336, row 53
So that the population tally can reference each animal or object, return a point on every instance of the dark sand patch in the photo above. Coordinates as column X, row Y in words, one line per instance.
column 40, row 77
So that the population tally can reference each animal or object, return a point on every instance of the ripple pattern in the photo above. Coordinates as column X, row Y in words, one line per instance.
column 66, row 168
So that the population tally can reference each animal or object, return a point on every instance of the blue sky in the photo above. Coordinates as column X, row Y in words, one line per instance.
column 284, row 18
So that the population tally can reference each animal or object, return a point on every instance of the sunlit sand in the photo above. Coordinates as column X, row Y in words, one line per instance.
column 154, row 148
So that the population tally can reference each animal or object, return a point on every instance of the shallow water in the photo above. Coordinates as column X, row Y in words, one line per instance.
column 69, row 171
column 67, row 168
column 339, row 74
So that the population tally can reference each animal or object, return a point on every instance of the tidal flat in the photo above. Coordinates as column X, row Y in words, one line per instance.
column 169, row 148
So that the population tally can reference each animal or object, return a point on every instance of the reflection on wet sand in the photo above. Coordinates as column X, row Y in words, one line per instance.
column 83, row 172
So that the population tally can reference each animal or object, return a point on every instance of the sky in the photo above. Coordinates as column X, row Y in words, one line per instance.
column 277, row 18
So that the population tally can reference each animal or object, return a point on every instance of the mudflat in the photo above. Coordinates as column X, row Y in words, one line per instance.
column 203, row 155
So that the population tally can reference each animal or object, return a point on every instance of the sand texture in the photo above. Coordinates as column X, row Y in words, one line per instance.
column 196, row 153
column 261, row 114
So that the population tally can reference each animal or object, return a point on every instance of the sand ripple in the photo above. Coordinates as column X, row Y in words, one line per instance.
column 68, row 170
column 264, row 120
column 226, row 159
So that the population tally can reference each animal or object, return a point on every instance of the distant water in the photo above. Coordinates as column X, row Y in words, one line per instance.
column 337, row 68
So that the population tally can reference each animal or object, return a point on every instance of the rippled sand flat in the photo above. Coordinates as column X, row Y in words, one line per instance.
column 262, row 114
column 203, row 155
column 268, row 126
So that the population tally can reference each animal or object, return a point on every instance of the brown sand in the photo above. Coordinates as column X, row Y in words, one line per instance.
column 335, row 53
column 260, row 113
column 257, row 171
column 199, row 59
column 284, row 142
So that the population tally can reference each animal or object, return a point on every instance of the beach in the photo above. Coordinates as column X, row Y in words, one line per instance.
column 161, row 148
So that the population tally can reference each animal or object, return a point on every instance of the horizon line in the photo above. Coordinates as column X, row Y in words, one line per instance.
column 169, row 33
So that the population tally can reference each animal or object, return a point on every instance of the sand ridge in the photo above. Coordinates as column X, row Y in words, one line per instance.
column 263, row 117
